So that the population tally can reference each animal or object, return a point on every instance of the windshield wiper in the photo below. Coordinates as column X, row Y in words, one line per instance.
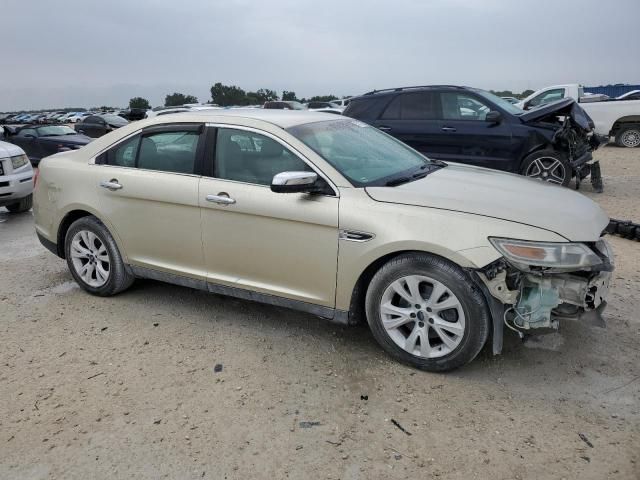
column 433, row 166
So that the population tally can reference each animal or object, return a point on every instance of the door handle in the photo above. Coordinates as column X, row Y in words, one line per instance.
column 448, row 129
column 111, row 184
column 221, row 199
column 384, row 128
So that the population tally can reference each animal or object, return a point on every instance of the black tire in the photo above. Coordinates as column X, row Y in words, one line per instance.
column 628, row 136
column 548, row 157
column 473, row 304
column 23, row 205
column 119, row 278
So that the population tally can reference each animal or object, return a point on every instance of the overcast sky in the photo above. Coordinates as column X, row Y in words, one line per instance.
column 89, row 53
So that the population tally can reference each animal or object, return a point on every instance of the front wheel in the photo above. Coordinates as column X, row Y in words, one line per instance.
column 547, row 165
column 628, row 137
column 426, row 312
column 23, row 205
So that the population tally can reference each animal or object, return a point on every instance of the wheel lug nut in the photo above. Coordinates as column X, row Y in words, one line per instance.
column 421, row 324
column 412, row 315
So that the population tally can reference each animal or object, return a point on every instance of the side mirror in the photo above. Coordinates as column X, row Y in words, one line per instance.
column 493, row 117
column 293, row 182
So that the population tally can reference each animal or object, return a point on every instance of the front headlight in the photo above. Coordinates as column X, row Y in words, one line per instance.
column 546, row 254
column 19, row 161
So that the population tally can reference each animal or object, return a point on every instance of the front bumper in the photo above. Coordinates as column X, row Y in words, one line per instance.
column 15, row 186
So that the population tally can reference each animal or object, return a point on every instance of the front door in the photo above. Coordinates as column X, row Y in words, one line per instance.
column 274, row 243
column 148, row 191
column 466, row 137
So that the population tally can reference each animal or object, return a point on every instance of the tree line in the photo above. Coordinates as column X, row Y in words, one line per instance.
column 231, row 95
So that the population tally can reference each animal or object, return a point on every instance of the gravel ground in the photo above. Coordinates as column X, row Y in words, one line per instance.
column 127, row 386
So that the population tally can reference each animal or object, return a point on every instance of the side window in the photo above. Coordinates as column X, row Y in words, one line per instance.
column 546, row 97
column 124, row 155
column 412, row 106
column 91, row 119
column 169, row 151
column 461, row 106
column 252, row 158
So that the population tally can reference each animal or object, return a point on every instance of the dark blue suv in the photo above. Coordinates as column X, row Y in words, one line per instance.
column 472, row 126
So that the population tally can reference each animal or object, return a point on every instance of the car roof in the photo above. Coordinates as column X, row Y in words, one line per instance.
column 280, row 118
column 387, row 91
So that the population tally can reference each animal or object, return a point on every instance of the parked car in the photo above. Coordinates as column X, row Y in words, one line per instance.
column 632, row 95
column 618, row 119
column 343, row 102
column 472, row 126
column 16, row 179
column 132, row 114
column 318, row 105
column 39, row 141
column 77, row 117
column 330, row 216
column 512, row 100
column 99, row 124
column 284, row 105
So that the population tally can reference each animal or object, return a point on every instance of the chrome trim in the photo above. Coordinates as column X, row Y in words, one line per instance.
column 331, row 314
column 284, row 144
column 295, row 178
column 222, row 199
column 355, row 236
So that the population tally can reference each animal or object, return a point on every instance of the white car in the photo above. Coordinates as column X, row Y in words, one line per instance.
column 618, row 119
column 77, row 117
column 16, row 179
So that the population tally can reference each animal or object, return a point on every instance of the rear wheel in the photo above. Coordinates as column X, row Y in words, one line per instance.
column 547, row 165
column 628, row 136
column 94, row 259
column 425, row 311
column 23, row 205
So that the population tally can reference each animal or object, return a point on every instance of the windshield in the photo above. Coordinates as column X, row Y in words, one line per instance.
column 361, row 153
column 55, row 130
column 500, row 102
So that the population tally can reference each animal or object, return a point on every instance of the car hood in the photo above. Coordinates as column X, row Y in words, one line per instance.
column 562, row 107
column 9, row 150
column 77, row 139
column 506, row 196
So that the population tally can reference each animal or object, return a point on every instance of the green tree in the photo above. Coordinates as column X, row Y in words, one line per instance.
column 261, row 96
column 322, row 98
column 525, row 94
column 139, row 102
column 288, row 96
column 176, row 99
column 228, row 95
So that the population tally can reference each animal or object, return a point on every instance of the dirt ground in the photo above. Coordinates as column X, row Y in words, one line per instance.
column 126, row 386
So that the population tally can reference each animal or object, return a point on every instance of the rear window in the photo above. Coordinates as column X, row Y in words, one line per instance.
column 412, row 106
column 366, row 107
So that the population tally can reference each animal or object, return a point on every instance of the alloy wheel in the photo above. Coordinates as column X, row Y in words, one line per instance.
column 90, row 258
column 630, row 138
column 548, row 169
column 422, row 316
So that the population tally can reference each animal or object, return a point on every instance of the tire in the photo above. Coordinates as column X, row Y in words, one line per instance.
column 23, row 205
column 83, row 245
column 628, row 137
column 547, row 165
column 467, row 316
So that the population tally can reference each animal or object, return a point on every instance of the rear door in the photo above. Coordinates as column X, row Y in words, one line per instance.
column 149, row 193
column 466, row 137
column 413, row 118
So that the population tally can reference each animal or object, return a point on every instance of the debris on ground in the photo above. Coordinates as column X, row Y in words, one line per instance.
column 584, row 438
column 400, row 427
column 309, row 424
column 217, row 368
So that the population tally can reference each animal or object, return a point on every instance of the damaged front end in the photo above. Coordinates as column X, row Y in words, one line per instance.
column 536, row 285
column 574, row 135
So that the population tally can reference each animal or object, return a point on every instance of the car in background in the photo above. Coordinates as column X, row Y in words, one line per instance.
column 284, row 105
column 99, row 124
column 632, row 95
column 39, row 141
column 512, row 100
column 476, row 127
column 133, row 114
column 318, row 105
column 619, row 119
column 330, row 216
column 77, row 117
column 342, row 102
column 16, row 179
